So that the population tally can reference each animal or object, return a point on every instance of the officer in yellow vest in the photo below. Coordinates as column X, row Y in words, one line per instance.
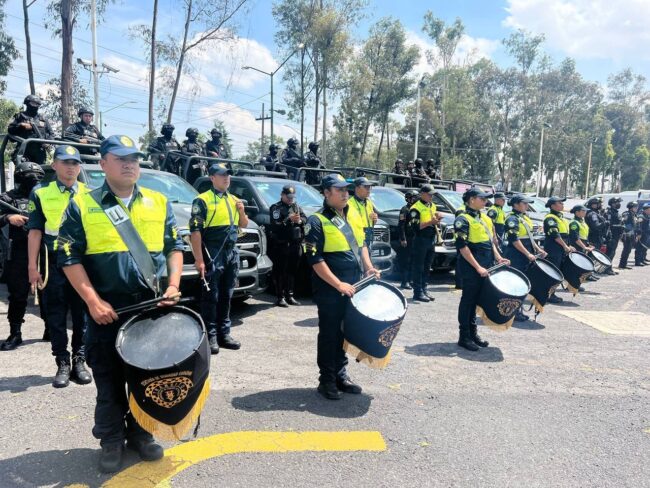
column 102, row 269
column 556, row 231
column 579, row 234
column 361, row 202
column 337, row 250
column 46, row 205
column 216, row 219
column 423, row 218
column 498, row 215
column 478, row 251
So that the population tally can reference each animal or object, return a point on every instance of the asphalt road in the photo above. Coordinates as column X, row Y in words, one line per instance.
column 555, row 403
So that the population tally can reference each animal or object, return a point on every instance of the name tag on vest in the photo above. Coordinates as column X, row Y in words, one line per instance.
column 116, row 214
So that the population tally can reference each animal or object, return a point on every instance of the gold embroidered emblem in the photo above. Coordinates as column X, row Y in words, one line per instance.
column 388, row 335
column 126, row 141
column 508, row 306
column 169, row 392
column 70, row 150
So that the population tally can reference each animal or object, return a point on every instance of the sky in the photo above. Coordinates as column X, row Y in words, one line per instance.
column 603, row 37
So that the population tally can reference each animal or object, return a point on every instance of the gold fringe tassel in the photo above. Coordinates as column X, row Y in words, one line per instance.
column 493, row 325
column 367, row 359
column 573, row 290
column 170, row 432
column 538, row 306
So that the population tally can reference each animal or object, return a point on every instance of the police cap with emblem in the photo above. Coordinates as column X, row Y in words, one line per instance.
column 499, row 194
column 120, row 146
column 289, row 191
column 578, row 208
column 333, row 180
column 475, row 192
column 219, row 169
column 553, row 201
column 362, row 181
column 64, row 153
column 514, row 199
column 646, row 206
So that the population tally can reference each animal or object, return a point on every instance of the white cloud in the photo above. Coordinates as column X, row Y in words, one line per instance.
column 596, row 29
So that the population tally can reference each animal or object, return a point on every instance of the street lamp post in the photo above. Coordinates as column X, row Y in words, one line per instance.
column 539, row 163
column 591, row 145
column 421, row 85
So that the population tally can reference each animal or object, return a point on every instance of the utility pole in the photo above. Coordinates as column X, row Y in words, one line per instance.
column 93, row 29
column 539, row 163
column 263, row 118
column 417, row 119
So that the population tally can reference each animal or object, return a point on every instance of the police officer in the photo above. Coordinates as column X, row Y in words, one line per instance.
column 556, row 231
column 498, row 216
column 406, row 240
column 312, row 160
column 410, row 169
column 291, row 157
column 430, row 168
column 615, row 225
column 399, row 168
column 424, row 217
column 214, row 147
column 631, row 233
column 579, row 234
column 30, row 124
column 159, row 150
column 596, row 222
column 26, row 176
column 285, row 244
column 475, row 243
column 46, row 206
column 98, row 264
column 338, row 253
column 216, row 219
column 271, row 159
column 84, row 131
column 362, row 204
column 419, row 169
column 521, row 248
column 643, row 243
column 192, row 145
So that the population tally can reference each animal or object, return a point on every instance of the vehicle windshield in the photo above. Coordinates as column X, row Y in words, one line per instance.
column 306, row 196
column 173, row 187
column 452, row 197
column 387, row 199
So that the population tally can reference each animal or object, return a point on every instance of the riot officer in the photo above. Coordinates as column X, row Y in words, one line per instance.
column 26, row 176
column 46, row 206
column 641, row 251
column 498, row 216
column 361, row 203
column 312, row 160
column 214, row 147
column 556, row 231
column 291, row 157
column 285, row 244
column 406, row 240
column 419, row 169
column 521, row 248
column 579, row 234
column 192, row 147
column 410, row 169
column 596, row 222
column 216, row 219
column 430, row 168
column 84, row 131
column 271, row 159
column 615, row 225
column 30, row 124
column 399, row 168
column 338, row 253
column 159, row 150
column 631, row 233
column 475, row 243
column 423, row 217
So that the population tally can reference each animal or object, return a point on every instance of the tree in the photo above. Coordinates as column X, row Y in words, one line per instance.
column 53, row 100
column 8, row 51
column 255, row 148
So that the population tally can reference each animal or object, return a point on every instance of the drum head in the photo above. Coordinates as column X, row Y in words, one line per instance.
column 549, row 270
column 509, row 283
column 581, row 261
column 160, row 338
column 601, row 258
column 379, row 302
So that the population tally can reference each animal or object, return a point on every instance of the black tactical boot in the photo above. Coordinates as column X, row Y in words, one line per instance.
column 62, row 377
column 420, row 297
column 214, row 346
column 147, row 449
column 348, row 386
column 405, row 286
column 227, row 342
column 465, row 340
column 14, row 340
column 291, row 300
column 430, row 297
column 110, row 459
column 477, row 338
column 79, row 372
column 281, row 302
column 330, row 391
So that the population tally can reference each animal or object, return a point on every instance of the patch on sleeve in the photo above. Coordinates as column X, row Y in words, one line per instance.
column 458, row 224
column 307, row 228
column 276, row 214
column 511, row 224
column 196, row 208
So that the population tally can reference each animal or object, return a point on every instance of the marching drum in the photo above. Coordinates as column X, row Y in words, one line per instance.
column 372, row 320
column 502, row 293
column 167, row 364
column 544, row 279
column 576, row 267
column 601, row 261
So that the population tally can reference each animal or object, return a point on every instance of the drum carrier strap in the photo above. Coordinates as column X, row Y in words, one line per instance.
column 342, row 225
column 530, row 235
column 138, row 250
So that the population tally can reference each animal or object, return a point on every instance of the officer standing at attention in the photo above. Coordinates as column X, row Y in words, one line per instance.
column 216, row 219
column 579, row 234
column 285, row 244
column 159, row 148
column 112, row 268
column 521, row 248
column 641, row 252
column 46, row 206
column 362, row 204
column 424, row 217
column 406, row 240
column 312, row 160
column 498, row 216
column 191, row 145
column 271, row 159
column 475, row 243
column 556, row 230
column 26, row 176
column 29, row 124
column 631, row 233
column 214, row 147
column 84, row 131
column 596, row 222
column 615, row 225
column 338, row 253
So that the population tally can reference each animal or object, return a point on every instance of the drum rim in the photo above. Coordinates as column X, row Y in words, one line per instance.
column 517, row 272
column 547, row 262
column 120, row 335
column 599, row 254
column 391, row 287
column 586, row 257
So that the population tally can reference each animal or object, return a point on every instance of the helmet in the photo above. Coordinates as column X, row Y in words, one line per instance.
column 398, row 161
column 32, row 100
column 26, row 169
column 273, row 147
column 192, row 131
column 614, row 200
column 167, row 128
column 292, row 142
column 418, row 162
column 313, row 145
column 84, row 110
column 592, row 201
column 216, row 132
column 410, row 163
column 632, row 204
column 412, row 194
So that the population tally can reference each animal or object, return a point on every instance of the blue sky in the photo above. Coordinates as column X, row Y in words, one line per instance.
column 602, row 36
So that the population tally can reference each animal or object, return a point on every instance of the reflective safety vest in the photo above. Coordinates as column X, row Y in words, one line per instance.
column 426, row 212
column 583, row 228
column 53, row 204
column 364, row 211
column 335, row 240
column 477, row 228
column 501, row 215
column 217, row 214
column 148, row 213
column 562, row 223
column 521, row 231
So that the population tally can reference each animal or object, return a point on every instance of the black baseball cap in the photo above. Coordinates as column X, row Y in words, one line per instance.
column 289, row 191
column 362, row 181
column 219, row 169
column 333, row 180
column 475, row 192
column 499, row 194
column 554, row 200
column 514, row 199
column 578, row 208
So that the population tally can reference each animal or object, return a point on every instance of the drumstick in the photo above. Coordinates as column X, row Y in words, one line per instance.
column 495, row 267
column 146, row 304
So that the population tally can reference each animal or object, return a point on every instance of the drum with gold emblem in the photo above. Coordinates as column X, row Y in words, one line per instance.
column 502, row 293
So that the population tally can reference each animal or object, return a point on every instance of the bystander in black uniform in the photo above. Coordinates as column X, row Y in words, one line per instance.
column 26, row 176
column 615, row 225
column 642, row 245
column 285, row 244
column 84, row 132
column 631, row 233
column 29, row 124
column 214, row 147
column 406, row 235
column 158, row 150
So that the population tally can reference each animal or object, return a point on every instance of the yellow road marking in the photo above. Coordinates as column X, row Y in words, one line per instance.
column 178, row 458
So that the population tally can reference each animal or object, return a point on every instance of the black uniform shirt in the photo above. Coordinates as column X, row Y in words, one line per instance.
column 80, row 130
column 281, row 228
column 18, row 199
column 213, row 146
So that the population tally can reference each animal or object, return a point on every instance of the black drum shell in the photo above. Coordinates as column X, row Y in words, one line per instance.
column 373, row 337
column 196, row 368
column 574, row 275
column 542, row 285
column 601, row 261
column 500, row 307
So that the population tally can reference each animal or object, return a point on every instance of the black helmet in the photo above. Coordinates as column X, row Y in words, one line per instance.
column 192, row 131
column 412, row 194
column 418, row 162
column 25, row 169
column 273, row 147
column 632, row 204
column 292, row 142
column 167, row 128
column 84, row 110
column 398, row 161
column 32, row 100
column 592, row 201
column 216, row 132
column 614, row 200
column 313, row 145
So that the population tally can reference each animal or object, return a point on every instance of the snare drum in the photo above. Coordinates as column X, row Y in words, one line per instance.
column 372, row 320
column 502, row 293
column 576, row 267
column 601, row 261
column 167, row 364
column 544, row 279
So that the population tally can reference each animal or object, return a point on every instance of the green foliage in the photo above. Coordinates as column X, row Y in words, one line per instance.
column 8, row 51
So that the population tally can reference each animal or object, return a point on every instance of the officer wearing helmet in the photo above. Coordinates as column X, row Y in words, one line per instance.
column 399, row 167
column 158, row 150
column 631, row 233
column 596, row 222
column 406, row 234
column 613, row 217
column 214, row 147
column 419, row 169
column 641, row 251
column 26, row 176
column 270, row 160
column 29, row 124
column 84, row 131
column 291, row 157
column 313, row 161
column 192, row 147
